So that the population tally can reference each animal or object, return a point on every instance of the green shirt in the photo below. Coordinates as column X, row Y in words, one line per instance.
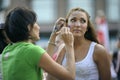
column 20, row 61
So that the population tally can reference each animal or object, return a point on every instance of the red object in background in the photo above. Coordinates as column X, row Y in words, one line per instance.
column 100, row 36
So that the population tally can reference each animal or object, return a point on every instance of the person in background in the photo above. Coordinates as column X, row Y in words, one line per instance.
column 23, row 60
column 102, row 29
column 92, row 62
column 3, row 43
column 113, row 72
column 116, row 59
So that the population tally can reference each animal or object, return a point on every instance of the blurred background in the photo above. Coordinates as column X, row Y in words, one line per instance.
column 104, row 13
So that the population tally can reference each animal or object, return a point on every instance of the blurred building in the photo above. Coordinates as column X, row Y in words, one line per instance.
column 48, row 11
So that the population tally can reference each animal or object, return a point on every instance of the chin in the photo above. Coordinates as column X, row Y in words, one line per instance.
column 37, row 38
column 77, row 35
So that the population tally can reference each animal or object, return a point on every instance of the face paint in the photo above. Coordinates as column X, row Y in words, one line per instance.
column 69, row 26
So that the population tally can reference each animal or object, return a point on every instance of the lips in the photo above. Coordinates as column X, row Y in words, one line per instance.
column 77, row 31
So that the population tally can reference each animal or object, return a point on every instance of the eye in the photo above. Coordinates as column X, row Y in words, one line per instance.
column 73, row 20
column 83, row 20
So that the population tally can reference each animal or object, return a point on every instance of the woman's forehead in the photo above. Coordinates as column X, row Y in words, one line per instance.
column 78, row 14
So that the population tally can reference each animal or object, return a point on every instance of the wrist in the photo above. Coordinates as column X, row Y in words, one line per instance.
column 52, row 43
column 52, row 38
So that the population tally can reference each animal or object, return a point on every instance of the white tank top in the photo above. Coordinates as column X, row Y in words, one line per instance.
column 86, row 69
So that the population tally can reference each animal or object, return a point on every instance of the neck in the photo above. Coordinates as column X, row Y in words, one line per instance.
column 78, row 41
column 29, row 41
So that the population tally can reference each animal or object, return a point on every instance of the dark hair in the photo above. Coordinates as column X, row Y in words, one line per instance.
column 3, row 44
column 90, row 33
column 17, row 22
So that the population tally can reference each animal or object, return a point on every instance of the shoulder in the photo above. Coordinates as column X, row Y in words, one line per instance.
column 100, row 53
column 99, row 49
column 32, row 49
column 37, row 49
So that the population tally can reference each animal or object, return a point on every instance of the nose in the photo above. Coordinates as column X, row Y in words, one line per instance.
column 77, row 23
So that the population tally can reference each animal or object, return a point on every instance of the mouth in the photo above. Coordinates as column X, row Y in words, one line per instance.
column 77, row 31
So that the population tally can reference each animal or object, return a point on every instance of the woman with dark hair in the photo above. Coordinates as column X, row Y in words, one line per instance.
column 22, row 60
column 92, row 62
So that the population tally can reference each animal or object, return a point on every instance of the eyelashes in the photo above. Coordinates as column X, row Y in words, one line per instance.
column 82, row 20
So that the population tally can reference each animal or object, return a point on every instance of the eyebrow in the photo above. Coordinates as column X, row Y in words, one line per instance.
column 73, row 18
column 83, row 19
column 80, row 18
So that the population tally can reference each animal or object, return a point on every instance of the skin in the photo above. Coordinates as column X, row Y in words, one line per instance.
column 59, row 46
column 77, row 22
column 34, row 32
column 54, row 68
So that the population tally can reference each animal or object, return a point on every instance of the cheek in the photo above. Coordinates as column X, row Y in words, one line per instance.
column 85, row 27
column 36, row 30
column 70, row 25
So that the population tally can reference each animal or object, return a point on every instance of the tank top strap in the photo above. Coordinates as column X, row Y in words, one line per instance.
column 91, row 49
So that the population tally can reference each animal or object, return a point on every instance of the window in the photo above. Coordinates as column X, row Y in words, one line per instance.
column 88, row 5
column 45, row 10
column 112, row 9
column 5, row 3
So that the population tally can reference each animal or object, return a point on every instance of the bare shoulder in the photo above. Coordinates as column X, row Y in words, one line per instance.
column 100, row 53
column 99, row 48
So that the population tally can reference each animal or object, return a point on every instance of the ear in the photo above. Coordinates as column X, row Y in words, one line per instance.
column 29, row 31
column 29, row 27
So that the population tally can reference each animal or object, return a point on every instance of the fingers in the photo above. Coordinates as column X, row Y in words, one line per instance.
column 60, row 20
column 66, row 36
column 59, row 24
column 65, row 30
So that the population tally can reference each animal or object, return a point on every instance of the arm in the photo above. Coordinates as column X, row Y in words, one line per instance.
column 58, row 60
column 55, row 69
column 51, row 44
column 57, row 27
column 103, row 63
